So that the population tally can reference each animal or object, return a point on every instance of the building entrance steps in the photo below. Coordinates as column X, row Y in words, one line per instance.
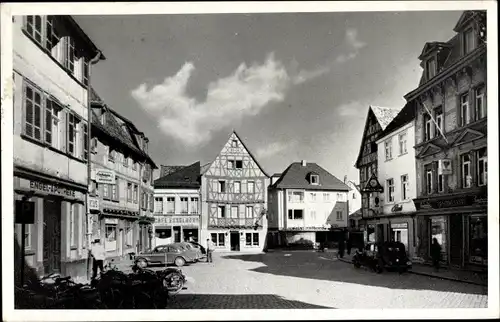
column 445, row 273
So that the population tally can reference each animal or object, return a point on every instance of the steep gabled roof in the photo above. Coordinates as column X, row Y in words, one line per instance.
column 384, row 115
column 405, row 116
column 185, row 177
column 205, row 167
column 295, row 177
column 165, row 170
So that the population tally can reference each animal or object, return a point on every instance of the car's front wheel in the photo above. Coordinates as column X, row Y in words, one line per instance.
column 142, row 263
column 179, row 262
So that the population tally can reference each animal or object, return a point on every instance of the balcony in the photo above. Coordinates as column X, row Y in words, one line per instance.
column 232, row 222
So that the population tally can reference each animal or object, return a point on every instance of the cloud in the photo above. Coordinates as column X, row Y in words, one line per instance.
column 351, row 109
column 353, row 45
column 245, row 92
column 307, row 75
column 274, row 148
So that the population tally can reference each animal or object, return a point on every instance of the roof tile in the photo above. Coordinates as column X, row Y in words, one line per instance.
column 295, row 177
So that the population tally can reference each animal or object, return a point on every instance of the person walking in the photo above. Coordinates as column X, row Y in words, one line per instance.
column 210, row 249
column 99, row 255
column 435, row 254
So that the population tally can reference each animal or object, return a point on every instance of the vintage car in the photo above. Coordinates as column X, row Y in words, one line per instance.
column 191, row 249
column 386, row 255
column 164, row 255
column 200, row 247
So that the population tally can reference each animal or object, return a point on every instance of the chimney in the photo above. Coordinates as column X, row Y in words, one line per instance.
column 304, row 163
column 345, row 179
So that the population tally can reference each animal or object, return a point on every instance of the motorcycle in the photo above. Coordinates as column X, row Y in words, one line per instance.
column 172, row 278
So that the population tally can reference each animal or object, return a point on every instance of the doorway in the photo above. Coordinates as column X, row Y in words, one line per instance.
column 235, row 241
column 51, row 236
column 177, row 234
column 191, row 234
column 456, row 240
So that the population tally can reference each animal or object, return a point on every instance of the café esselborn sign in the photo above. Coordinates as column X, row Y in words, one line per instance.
column 51, row 188
column 178, row 220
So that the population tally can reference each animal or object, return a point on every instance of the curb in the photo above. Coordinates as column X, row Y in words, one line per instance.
column 430, row 275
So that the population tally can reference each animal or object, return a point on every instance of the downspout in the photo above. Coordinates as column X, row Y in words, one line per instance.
column 88, row 218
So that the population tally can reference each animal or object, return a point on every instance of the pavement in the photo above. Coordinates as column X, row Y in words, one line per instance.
column 306, row 279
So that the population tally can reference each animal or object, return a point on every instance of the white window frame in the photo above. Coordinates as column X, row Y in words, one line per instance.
column 326, row 196
column 250, row 186
column 464, row 109
column 184, row 205
column 32, row 123
column 236, row 187
column 428, row 128
column 482, row 180
column 466, row 165
column 405, row 185
column 194, row 205
column 313, row 196
column 253, row 241
column 429, row 184
column 314, row 179
column 439, row 123
column 340, row 215
column 293, row 193
column 402, row 138
column 480, row 102
column 234, row 212
column 388, row 149
column 72, row 225
column 171, row 201
column 158, row 206
column 249, row 212
column 390, row 189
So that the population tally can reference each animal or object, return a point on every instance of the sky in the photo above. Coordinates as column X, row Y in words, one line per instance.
column 294, row 86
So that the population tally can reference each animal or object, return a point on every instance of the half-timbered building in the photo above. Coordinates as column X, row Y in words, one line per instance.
column 234, row 194
column 451, row 145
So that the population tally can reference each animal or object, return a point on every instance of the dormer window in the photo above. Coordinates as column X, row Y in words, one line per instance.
column 469, row 41
column 431, row 67
column 314, row 179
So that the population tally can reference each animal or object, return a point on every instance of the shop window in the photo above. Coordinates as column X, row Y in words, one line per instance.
column 110, row 237
column 221, row 212
column 170, row 205
column 478, row 239
column 481, row 109
column 482, row 167
column 252, row 239
column 439, row 231
column 163, row 233
column 466, row 173
column 194, row 205
column 218, row 239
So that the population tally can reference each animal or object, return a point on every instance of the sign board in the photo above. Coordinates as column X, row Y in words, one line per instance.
column 373, row 185
column 105, row 176
column 25, row 212
column 93, row 203
column 444, row 167
column 51, row 188
column 307, row 228
column 111, row 221
column 400, row 226
column 397, row 208
column 178, row 220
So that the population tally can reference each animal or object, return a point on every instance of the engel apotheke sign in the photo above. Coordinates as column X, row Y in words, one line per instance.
column 105, row 176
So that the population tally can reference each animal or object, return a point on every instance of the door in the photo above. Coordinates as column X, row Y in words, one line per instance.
column 235, row 241
column 456, row 242
column 177, row 234
column 52, row 236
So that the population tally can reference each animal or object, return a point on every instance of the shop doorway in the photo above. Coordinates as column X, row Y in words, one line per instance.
column 235, row 241
column 51, row 236
column 177, row 234
column 456, row 240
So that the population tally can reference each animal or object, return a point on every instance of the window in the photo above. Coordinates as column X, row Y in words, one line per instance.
column 390, row 190
column 34, row 28
column 466, row 173
column 339, row 216
column 134, row 165
column 313, row 214
column 111, row 154
column 230, row 164
column 85, row 141
column 28, row 232
column 222, row 186
column 249, row 212
column 72, row 225
column 478, row 238
column 85, row 71
column 93, row 146
column 428, row 180
column 151, row 202
column 237, row 187
column 69, row 57
column 252, row 239
column 221, row 212
column 354, row 196
column 239, row 164
column 340, row 196
column 125, row 161
column 250, row 187
column 52, row 110
column 158, row 205
column 314, row 179
column 469, row 42
column 129, row 192
column 234, row 212
column 295, row 214
column 295, row 196
column 326, row 196
column 404, row 187
column 170, row 205
column 218, row 239
column 431, row 68
column 313, row 196
column 33, row 113
column 440, row 182
column 144, row 200
column 388, row 149
column 234, row 143
column 482, row 167
column 428, row 127
column 72, row 126
column 184, row 205
column 464, row 109
column 129, row 234
column 194, row 205
column 114, row 192
column 438, row 112
column 481, row 109
column 402, row 143
column 105, row 191
column 136, row 193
